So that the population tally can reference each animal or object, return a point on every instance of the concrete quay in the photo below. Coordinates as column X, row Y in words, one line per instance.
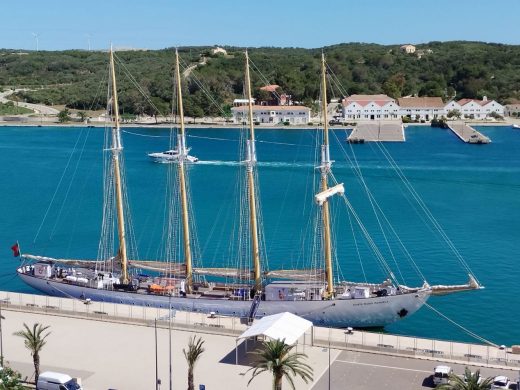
column 377, row 132
column 113, row 346
column 467, row 133
column 368, row 371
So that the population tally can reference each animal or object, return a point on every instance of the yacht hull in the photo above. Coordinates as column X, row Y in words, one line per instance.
column 340, row 313
column 168, row 158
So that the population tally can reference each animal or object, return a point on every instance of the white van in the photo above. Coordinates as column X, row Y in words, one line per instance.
column 441, row 375
column 49, row 380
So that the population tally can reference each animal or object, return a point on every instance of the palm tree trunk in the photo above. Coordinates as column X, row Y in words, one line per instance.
column 191, row 385
column 278, row 382
column 36, row 361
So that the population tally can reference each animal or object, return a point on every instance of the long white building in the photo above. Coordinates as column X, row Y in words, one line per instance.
column 421, row 108
column 295, row 115
column 370, row 107
column 383, row 107
column 474, row 108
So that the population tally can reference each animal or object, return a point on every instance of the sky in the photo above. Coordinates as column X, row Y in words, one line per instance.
column 156, row 24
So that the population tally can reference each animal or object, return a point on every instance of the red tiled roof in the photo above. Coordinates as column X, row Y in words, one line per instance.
column 480, row 102
column 363, row 100
column 271, row 108
column 420, row 102
column 270, row 88
column 380, row 103
column 369, row 97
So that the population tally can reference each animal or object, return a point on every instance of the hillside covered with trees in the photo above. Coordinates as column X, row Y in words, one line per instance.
column 77, row 78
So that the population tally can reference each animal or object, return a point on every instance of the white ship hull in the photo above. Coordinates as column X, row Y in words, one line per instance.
column 341, row 313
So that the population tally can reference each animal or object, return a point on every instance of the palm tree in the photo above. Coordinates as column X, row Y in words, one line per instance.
column 192, row 355
column 276, row 357
column 34, row 340
column 470, row 381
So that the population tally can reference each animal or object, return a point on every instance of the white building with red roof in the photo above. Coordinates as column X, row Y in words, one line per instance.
column 294, row 115
column 476, row 109
column 370, row 107
column 422, row 108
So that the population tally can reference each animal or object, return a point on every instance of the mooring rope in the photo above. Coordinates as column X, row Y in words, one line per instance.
column 469, row 332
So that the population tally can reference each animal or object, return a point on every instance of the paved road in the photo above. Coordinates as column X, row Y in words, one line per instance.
column 362, row 371
column 190, row 68
column 38, row 108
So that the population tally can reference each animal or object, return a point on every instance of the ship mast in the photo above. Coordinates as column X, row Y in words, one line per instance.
column 181, row 145
column 326, row 164
column 250, row 164
column 116, row 151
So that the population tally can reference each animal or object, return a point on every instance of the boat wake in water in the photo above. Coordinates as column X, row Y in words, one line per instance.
column 273, row 164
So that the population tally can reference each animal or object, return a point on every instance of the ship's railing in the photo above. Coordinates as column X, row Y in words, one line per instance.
column 440, row 350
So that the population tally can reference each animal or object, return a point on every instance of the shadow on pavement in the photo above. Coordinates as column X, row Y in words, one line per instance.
column 245, row 358
column 428, row 382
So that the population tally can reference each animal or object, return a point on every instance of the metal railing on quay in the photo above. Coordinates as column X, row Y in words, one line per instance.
column 345, row 339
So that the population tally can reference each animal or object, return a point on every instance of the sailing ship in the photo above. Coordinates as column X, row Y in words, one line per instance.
column 314, row 294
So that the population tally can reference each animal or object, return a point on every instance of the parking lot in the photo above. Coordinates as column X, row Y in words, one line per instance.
column 362, row 371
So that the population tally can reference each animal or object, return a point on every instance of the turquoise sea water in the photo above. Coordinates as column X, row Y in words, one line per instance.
column 472, row 190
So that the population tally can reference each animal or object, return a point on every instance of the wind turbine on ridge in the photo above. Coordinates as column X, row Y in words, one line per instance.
column 36, row 39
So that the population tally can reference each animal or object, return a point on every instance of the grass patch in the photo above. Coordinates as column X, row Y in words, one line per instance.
column 10, row 109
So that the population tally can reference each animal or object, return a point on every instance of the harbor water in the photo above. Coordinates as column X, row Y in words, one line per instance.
column 51, row 197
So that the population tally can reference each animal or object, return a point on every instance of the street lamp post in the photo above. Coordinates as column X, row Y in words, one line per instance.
column 170, row 335
column 1, row 339
column 157, row 381
column 329, row 358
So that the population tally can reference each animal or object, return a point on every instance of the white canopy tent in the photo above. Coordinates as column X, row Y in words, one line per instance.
column 283, row 326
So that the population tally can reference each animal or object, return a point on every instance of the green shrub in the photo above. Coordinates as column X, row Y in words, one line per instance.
column 10, row 379
column 496, row 116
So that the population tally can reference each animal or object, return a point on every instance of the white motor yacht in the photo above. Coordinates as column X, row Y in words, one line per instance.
column 171, row 156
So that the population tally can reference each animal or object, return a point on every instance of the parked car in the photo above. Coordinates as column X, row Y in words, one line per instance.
column 441, row 375
column 49, row 380
column 500, row 382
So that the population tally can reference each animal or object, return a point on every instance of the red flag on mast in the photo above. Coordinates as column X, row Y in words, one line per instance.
column 16, row 250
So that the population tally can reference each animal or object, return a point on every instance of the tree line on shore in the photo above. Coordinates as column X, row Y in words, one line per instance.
column 77, row 78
